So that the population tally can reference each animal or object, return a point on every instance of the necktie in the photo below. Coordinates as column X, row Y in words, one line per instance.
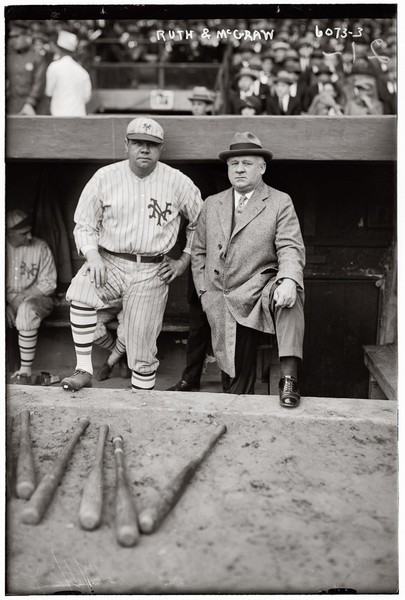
column 241, row 204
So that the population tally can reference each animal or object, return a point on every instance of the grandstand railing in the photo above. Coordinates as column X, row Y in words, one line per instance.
column 163, row 75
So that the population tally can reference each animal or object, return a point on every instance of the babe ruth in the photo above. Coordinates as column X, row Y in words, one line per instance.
column 31, row 279
column 127, row 220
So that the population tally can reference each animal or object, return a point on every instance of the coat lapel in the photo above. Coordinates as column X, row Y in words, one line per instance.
column 255, row 206
column 225, row 210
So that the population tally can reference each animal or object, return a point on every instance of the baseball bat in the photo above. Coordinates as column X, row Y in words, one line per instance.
column 92, row 499
column 25, row 461
column 126, row 520
column 41, row 498
column 151, row 517
column 9, row 458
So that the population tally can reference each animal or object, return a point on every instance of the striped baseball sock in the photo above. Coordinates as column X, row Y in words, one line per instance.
column 27, row 343
column 107, row 341
column 118, row 350
column 83, row 320
column 143, row 381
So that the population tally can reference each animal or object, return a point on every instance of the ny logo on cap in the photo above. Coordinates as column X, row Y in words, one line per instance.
column 147, row 126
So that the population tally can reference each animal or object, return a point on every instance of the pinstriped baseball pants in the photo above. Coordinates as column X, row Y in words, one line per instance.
column 144, row 298
column 30, row 312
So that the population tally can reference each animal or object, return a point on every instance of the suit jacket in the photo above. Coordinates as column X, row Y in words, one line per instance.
column 293, row 108
column 236, row 268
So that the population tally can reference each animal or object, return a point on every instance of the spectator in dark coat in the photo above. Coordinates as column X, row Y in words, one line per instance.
column 282, row 103
column 245, row 80
column 323, row 75
column 25, row 72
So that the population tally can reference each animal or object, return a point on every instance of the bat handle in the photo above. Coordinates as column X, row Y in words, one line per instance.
column 25, row 464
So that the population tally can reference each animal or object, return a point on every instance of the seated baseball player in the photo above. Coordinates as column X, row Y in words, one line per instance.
column 31, row 281
column 127, row 221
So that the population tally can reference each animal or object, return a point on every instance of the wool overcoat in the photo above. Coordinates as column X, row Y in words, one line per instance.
column 234, row 268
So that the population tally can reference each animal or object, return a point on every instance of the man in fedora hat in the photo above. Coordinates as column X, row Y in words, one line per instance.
column 245, row 83
column 68, row 84
column 25, row 72
column 127, row 221
column 247, row 261
column 282, row 102
column 201, row 101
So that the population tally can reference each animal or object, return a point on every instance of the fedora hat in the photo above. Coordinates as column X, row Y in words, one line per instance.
column 251, row 102
column 201, row 93
column 248, row 72
column 245, row 143
column 283, row 76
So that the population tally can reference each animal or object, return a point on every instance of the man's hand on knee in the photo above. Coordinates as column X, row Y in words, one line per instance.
column 95, row 268
column 285, row 294
column 171, row 268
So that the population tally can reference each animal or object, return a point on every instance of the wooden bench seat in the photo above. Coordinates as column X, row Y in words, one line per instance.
column 60, row 318
column 381, row 362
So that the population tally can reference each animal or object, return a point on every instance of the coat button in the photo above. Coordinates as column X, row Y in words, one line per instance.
column 226, row 292
column 220, row 246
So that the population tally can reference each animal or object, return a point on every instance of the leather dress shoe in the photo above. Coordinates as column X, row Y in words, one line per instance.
column 289, row 392
column 183, row 386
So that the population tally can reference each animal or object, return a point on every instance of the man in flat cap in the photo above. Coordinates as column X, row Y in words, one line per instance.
column 247, row 260
column 31, row 281
column 25, row 72
column 127, row 220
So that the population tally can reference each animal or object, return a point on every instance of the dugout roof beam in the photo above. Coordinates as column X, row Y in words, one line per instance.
column 191, row 138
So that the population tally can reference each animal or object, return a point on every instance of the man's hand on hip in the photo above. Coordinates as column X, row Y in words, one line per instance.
column 285, row 294
column 171, row 268
column 96, row 268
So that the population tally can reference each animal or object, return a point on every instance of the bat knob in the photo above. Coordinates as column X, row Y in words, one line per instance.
column 30, row 515
column 25, row 490
column 147, row 521
column 127, row 536
column 89, row 521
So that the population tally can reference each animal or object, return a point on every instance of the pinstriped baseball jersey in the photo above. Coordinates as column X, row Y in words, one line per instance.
column 28, row 265
column 125, row 213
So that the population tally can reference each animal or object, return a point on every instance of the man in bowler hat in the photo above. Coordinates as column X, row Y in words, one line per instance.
column 247, row 260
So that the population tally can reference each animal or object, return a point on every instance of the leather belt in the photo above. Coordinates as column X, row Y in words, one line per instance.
column 139, row 258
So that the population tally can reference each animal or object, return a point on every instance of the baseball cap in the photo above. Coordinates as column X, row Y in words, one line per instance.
column 17, row 219
column 145, row 129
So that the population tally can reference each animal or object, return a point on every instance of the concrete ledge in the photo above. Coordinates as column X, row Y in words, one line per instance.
column 301, row 501
column 200, row 402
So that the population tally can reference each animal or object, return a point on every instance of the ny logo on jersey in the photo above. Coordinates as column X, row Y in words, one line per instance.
column 158, row 213
column 29, row 272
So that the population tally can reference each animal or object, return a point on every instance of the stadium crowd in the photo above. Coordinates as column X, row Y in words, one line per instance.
column 301, row 66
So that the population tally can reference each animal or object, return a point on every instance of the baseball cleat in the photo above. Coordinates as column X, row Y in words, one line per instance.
column 77, row 381
column 104, row 372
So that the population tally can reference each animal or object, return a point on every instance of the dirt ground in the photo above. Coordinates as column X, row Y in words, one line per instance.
column 288, row 501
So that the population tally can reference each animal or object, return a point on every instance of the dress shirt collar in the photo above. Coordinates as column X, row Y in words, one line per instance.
column 237, row 196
